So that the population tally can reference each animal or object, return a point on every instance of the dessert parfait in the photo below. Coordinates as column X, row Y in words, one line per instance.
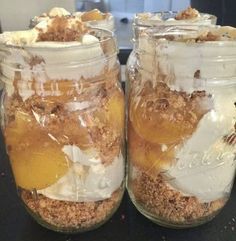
column 93, row 18
column 182, row 123
column 189, row 16
column 63, row 122
column 142, row 21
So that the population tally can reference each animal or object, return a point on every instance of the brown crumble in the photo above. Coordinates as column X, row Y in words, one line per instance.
column 188, row 13
column 156, row 197
column 207, row 37
column 197, row 74
column 230, row 139
column 174, row 106
column 66, row 214
column 61, row 31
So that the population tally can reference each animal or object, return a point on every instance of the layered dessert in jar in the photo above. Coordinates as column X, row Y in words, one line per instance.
column 93, row 18
column 189, row 16
column 142, row 21
column 182, row 123
column 63, row 122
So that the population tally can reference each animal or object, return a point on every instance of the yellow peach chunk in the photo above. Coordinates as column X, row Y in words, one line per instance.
column 158, row 131
column 151, row 158
column 93, row 15
column 37, row 160
column 116, row 111
column 38, row 166
column 17, row 129
column 163, row 116
column 112, row 113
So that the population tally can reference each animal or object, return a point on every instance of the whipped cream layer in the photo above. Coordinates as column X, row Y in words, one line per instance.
column 72, row 60
column 181, row 57
column 87, row 180
column 206, row 163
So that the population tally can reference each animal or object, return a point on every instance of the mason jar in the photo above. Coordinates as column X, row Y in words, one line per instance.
column 63, row 123
column 182, row 123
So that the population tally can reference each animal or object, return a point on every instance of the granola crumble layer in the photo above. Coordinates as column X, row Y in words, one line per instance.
column 60, row 30
column 157, row 198
column 70, row 216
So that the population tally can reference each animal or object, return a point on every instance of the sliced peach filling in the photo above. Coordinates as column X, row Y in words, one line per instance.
column 159, row 120
column 152, row 158
column 35, row 139
column 163, row 116
column 37, row 160
column 113, row 111
column 93, row 15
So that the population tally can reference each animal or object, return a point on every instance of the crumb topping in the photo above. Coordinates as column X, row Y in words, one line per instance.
column 208, row 37
column 62, row 30
column 189, row 13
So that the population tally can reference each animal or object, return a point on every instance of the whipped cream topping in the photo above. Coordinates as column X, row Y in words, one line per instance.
column 32, row 36
column 88, row 179
column 54, row 12
column 106, row 23
column 72, row 60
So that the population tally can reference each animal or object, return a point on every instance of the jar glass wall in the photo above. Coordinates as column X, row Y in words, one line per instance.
column 181, row 123
column 63, row 122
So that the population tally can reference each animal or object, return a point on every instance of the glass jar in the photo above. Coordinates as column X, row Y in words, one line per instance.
column 182, row 123
column 63, row 123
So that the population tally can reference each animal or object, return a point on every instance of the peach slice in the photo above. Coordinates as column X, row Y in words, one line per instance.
column 116, row 111
column 112, row 112
column 38, row 166
column 163, row 116
column 93, row 15
column 152, row 158
column 37, row 160
column 18, row 129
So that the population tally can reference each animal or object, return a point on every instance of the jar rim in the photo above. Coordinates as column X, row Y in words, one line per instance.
column 188, row 34
column 165, row 15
